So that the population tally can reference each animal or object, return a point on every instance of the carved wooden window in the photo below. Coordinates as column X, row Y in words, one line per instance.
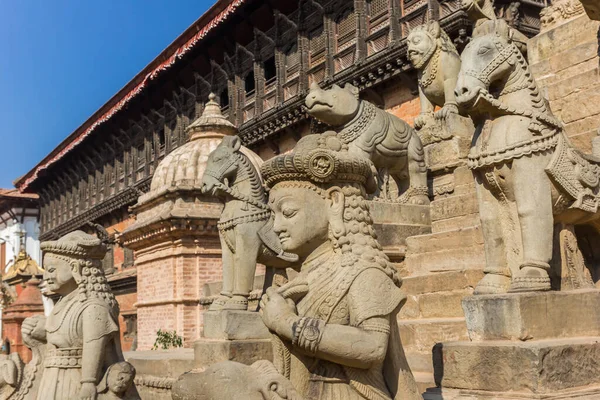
column 141, row 161
column 292, row 61
column 270, row 70
column 317, row 44
column 345, row 32
column 127, row 257
column 108, row 263
column 378, row 14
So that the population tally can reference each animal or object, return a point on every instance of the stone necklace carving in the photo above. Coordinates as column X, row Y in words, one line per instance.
column 426, row 81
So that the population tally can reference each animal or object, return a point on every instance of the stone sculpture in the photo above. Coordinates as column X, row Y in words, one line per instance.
column 334, row 321
column 245, row 226
column 560, row 11
column 524, row 166
column 370, row 132
column 435, row 58
column 462, row 40
column 79, row 342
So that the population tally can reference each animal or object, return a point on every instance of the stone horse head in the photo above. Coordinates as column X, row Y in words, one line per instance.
column 489, row 64
column 222, row 166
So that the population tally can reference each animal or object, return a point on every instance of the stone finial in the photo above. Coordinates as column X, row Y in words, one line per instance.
column 211, row 122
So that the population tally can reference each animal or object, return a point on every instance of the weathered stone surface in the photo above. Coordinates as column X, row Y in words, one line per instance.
column 234, row 325
column 560, row 39
column 533, row 316
column 446, row 154
column 454, row 206
column 161, row 363
column 443, row 305
column 591, row 392
column 446, row 260
column 445, row 240
column 422, row 334
column 442, row 281
column 455, row 223
column 211, row 351
column 546, row 366
column 400, row 214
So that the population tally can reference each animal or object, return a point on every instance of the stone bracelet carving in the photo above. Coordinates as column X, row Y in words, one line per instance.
column 307, row 334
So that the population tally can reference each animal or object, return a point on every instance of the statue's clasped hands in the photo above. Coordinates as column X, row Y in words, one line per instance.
column 34, row 328
column 88, row 391
column 276, row 311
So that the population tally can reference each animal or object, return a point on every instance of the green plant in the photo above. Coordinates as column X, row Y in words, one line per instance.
column 165, row 340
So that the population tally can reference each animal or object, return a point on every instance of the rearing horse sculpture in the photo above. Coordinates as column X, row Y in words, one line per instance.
column 527, row 173
column 245, row 226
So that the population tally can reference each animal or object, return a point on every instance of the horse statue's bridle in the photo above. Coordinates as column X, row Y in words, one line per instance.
column 504, row 53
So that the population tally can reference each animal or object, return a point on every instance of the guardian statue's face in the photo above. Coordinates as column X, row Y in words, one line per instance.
column 419, row 44
column 301, row 218
column 58, row 275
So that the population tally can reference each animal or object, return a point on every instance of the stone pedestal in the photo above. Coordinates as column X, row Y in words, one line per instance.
column 232, row 335
column 529, row 345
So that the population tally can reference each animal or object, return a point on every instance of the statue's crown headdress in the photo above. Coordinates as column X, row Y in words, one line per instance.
column 320, row 159
column 77, row 244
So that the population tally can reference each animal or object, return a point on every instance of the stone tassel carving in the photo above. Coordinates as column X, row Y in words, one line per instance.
column 437, row 61
column 519, row 157
column 369, row 132
column 334, row 320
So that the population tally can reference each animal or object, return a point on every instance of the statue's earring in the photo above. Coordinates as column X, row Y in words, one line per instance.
column 336, row 220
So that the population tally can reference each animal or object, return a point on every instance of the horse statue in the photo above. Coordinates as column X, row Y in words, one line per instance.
column 528, row 175
column 246, row 223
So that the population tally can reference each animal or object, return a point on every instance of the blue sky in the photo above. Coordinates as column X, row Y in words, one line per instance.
column 60, row 60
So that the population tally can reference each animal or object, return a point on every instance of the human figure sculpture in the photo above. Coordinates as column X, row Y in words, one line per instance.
column 79, row 341
column 245, row 226
column 525, row 169
column 116, row 381
column 436, row 59
column 334, row 321
column 462, row 40
column 370, row 132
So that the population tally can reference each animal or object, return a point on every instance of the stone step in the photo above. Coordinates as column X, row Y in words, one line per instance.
column 424, row 381
column 454, row 206
column 435, row 305
column 455, row 223
column 420, row 362
column 422, row 334
column 456, row 259
column 454, row 239
column 441, row 282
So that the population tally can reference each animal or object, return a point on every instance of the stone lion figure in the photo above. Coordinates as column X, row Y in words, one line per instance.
column 433, row 54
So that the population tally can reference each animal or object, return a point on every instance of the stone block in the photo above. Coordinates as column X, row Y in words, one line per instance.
column 527, row 316
column 400, row 214
column 573, row 84
column 454, row 206
column 161, row 363
column 583, row 141
column 422, row 334
column 443, row 304
column 234, row 325
column 446, row 154
column 561, row 39
column 441, row 281
column 410, row 309
column 456, row 223
column 581, row 105
column 458, row 239
column 211, row 351
column 535, row 367
column 395, row 235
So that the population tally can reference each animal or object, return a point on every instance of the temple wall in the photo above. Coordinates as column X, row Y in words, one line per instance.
column 564, row 60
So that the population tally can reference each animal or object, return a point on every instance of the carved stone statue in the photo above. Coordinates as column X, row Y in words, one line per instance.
column 370, row 132
column 79, row 341
column 434, row 56
column 462, row 40
column 525, row 168
column 245, row 226
column 334, row 321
